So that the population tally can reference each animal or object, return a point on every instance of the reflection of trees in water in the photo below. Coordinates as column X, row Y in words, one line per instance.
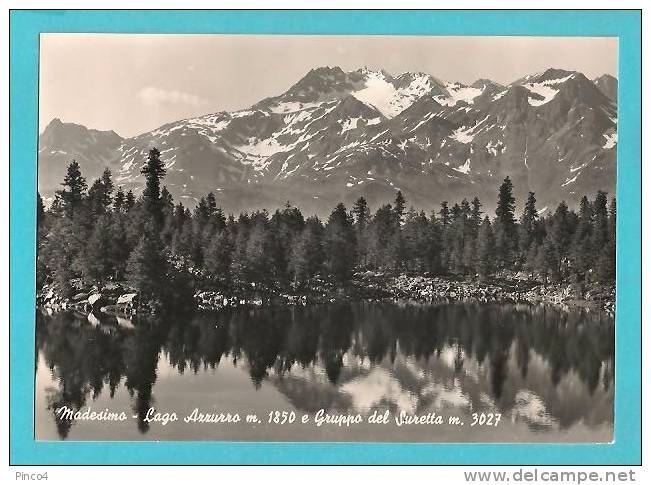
column 84, row 358
column 140, row 349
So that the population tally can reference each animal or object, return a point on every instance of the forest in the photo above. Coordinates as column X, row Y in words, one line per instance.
column 165, row 250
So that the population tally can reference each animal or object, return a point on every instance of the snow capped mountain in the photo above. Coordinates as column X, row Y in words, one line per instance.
column 336, row 135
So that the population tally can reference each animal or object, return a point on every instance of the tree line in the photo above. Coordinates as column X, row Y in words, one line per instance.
column 164, row 249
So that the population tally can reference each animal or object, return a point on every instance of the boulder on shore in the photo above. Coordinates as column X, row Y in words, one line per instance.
column 127, row 298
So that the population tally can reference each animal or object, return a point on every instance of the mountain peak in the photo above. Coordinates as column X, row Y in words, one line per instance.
column 606, row 77
column 551, row 74
column 379, row 73
column 53, row 125
column 321, row 70
column 608, row 85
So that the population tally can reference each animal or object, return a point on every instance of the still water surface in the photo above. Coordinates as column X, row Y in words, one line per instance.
column 548, row 372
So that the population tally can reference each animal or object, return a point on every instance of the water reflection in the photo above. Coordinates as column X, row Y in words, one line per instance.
column 547, row 368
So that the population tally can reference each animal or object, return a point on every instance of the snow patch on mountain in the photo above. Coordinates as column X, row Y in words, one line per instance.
column 459, row 92
column 291, row 106
column 569, row 180
column 611, row 140
column 544, row 90
column 465, row 168
column 380, row 94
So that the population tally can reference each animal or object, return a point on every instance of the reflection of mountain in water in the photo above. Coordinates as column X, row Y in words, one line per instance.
column 546, row 367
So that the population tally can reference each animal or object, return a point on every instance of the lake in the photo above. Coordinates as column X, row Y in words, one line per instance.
column 547, row 372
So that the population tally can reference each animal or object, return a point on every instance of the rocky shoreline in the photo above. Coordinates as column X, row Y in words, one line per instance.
column 119, row 299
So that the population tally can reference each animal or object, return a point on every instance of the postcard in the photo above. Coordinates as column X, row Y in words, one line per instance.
column 320, row 238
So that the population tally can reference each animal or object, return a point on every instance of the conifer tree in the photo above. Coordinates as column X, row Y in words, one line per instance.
column 211, row 203
column 475, row 216
column 606, row 258
column 340, row 243
column 308, row 253
column 582, row 253
column 257, row 252
column 96, row 260
column 362, row 218
column 434, row 245
column 219, row 256
column 361, row 213
column 129, row 201
column 505, row 227
column 399, row 207
column 167, row 202
column 415, row 236
column 612, row 220
column 147, row 266
column 444, row 213
column 528, row 225
column 561, row 237
column 100, row 193
column 486, row 249
column 119, row 201
column 600, row 232
column 154, row 171
column 381, row 237
column 72, row 195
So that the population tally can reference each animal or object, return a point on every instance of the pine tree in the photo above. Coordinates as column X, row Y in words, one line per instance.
column 600, row 232
column 154, row 171
column 606, row 260
column 361, row 213
column 475, row 216
column 119, row 201
column 528, row 225
column 308, row 253
column 444, row 213
column 167, row 201
column 201, row 213
column 96, row 261
column 549, row 258
column 211, row 203
column 59, row 251
column 107, row 183
column 561, row 237
column 434, row 245
column 505, row 227
column 72, row 196
column 340, row 244
column 415, row 234
column 581, row 252
column 399, row 207
column 130, row 201
column 99, row 195
column 147, row 265
column 120, row 248
column 381, row 238
column 612, row 220
column 485, row 249
column 257, row 254
column 219, row 256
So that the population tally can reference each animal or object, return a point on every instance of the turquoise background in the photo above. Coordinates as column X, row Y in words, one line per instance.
column 25, row 27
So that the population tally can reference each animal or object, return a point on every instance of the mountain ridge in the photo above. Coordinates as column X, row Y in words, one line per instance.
column 335, row 135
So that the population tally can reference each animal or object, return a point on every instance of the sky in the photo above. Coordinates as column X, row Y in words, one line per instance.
column 134, row 83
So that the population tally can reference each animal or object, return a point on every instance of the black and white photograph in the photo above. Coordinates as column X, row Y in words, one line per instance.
column 326, row 238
